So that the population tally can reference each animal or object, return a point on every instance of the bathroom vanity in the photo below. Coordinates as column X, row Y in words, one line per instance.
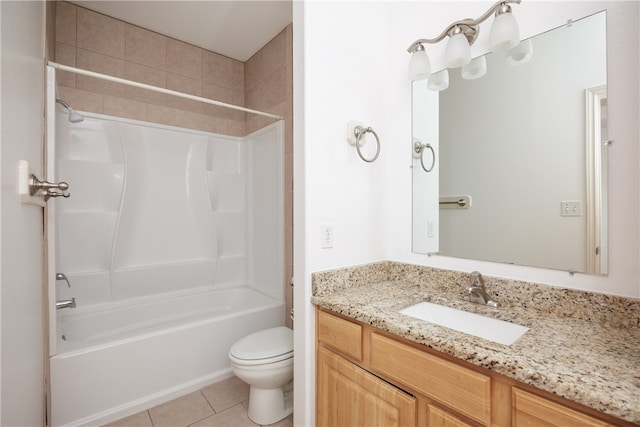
column 376, row 366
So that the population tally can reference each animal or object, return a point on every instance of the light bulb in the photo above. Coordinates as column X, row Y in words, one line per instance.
column 458, row 51
column 419, row 66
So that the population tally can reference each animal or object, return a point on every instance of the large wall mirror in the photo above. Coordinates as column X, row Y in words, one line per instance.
column 524, row 150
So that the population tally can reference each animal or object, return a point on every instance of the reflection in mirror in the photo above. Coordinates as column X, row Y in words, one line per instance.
column 526, row 145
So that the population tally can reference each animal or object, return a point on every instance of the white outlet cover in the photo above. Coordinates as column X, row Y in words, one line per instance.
column 571, row 208
column 326, row 236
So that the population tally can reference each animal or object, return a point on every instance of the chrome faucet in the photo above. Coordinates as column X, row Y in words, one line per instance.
column 62, row 276
column 68, row 303
column 478, row 293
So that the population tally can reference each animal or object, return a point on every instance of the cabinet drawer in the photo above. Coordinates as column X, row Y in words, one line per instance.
column 436, row 417
column 459, row 388
column 343, row 336
column 534, row 411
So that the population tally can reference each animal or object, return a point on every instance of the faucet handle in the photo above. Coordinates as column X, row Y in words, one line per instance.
column 476, row 277
column 477, row 292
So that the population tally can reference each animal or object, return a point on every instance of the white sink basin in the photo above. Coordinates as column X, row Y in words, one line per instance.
column 470, row 323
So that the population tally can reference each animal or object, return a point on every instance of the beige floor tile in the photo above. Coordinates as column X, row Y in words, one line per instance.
column 236, row 416
column 287, row 422
column 141, row 419
column 181, row 412
column 227, row 393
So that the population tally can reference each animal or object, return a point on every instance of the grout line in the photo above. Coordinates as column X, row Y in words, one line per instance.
column 208, row 403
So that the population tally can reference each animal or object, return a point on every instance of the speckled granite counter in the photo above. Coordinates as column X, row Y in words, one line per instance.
column 582, row 346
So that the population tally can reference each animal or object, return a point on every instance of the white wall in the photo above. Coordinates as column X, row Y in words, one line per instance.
column 345, row 79
column 338, row 56
column 350, row 62
column 21, row 113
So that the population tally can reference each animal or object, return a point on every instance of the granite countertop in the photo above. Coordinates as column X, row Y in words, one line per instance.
column 592, row 358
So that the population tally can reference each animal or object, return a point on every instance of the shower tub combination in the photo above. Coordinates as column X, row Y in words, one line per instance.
column 172, row 242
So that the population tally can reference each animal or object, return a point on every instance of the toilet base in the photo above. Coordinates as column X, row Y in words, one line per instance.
column 269, row 406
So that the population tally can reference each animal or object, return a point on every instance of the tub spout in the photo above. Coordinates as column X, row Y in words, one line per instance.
column 62, row 276
column 69, row 303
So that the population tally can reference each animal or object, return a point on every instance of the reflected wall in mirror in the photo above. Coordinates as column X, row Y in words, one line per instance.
column 526, row 145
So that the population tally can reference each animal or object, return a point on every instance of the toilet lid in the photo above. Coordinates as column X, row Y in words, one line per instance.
column 264, row 344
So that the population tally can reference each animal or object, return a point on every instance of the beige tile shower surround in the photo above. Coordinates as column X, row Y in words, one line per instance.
column 583, row 346
column 95, row 42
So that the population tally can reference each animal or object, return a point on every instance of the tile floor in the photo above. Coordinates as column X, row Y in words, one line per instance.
column 223, row 404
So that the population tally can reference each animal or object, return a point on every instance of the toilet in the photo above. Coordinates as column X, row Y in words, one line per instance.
column 264, row 360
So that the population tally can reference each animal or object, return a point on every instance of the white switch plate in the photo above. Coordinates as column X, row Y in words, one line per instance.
column 326, row 236
column 571, row 208
column 431, row 232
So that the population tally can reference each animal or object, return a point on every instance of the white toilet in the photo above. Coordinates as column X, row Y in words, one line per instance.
column 264, row 360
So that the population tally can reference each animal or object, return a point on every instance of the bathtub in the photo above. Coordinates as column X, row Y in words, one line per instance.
column 116, row 360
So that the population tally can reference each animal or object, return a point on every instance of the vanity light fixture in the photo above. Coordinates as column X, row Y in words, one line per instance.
column 419, row 66
column 462, row 34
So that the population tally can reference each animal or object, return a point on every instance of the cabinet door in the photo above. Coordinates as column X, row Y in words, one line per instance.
column 349, row 396
column 530, row 410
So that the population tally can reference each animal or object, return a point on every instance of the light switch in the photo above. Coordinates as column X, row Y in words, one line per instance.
column 431, row 229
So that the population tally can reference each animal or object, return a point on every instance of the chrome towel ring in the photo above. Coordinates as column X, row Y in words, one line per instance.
column 359, row 132
column 420, row 148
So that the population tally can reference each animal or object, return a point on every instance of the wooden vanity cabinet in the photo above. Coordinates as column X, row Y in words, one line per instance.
column 366, row 377
column 362, row 379
column 352, row 396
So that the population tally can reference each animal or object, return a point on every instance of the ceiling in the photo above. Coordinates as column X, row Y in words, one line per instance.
column 236, row 29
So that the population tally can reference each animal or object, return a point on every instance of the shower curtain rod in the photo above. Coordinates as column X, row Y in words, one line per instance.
column 158, row 89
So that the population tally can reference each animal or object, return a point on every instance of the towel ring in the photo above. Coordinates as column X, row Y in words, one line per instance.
column 359, row 132
column 419, row 148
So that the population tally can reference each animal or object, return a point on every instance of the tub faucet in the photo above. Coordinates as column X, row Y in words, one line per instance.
column 62, row 276
column 68, row 303
column 478, row 293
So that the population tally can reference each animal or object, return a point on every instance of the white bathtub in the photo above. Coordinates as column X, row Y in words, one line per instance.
column 117, row 360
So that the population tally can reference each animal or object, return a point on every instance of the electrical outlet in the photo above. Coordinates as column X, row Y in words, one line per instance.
column 326, row 236
column 571, row 208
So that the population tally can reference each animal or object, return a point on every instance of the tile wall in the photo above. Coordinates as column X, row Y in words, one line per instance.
column 95, row 42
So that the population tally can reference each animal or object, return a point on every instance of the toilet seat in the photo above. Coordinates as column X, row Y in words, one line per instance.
column 263, row 347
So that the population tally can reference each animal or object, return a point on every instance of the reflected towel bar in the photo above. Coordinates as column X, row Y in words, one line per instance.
column 455, row 202
column 460, row 202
